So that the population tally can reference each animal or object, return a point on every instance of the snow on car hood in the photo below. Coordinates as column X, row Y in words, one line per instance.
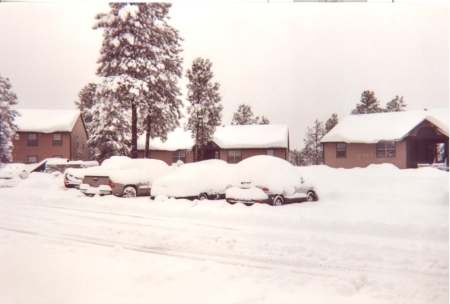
column 208, row 176
column 267, row 171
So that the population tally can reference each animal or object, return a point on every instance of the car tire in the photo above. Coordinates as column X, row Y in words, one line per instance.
column 311, row 196
column 129, row 191
column 278, row 201
column 202, row 197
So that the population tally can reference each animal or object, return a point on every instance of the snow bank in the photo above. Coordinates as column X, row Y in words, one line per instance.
column 267, row 171
column 246, row 194
column 209, row 176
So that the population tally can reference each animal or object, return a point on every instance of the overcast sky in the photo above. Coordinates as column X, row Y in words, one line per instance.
column 291, row 62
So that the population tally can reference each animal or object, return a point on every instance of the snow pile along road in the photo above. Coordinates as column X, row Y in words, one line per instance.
column 376, row 235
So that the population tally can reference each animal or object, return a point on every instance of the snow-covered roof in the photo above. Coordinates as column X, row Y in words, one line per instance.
column 176, row 140
column 226, row 137
column 251, row 136
column 372, row 128
column 46, row 121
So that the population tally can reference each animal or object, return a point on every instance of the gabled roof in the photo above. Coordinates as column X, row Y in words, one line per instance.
column 226, row 137
column 46, row 121
column 372, row 128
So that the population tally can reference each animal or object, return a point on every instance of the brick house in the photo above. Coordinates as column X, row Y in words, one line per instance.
column 229, row 143
column 404, row 139
column 50, row 133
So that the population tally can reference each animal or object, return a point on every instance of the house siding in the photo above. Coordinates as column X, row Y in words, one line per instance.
column 166, row 156
column 44, row 149
column 363, row 155
column 79, row 148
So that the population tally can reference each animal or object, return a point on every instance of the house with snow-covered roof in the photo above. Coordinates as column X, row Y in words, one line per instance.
column 229, row 143
column 49, row 134
column 405, row 139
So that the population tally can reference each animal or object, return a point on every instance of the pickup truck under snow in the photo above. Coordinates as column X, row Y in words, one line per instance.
column 123, row 176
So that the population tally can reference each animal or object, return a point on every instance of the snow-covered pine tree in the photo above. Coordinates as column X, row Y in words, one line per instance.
column 313, row 151
column 331, row 122
column 141, row 64
column 369, row 104
column 205, row 109
column 8, row 128
column 396, row 105
column 109, row 131
column 86, row 101
column 244, row 116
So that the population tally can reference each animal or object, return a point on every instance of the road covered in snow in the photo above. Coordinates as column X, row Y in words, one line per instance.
column 376, row 235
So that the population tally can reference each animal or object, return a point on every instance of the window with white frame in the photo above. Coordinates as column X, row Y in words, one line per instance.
column 179, row 155
column 341, row 150
column 234, row 156
column 57, row 139
column 32, row 139
column 386, row 149
column 32, row 159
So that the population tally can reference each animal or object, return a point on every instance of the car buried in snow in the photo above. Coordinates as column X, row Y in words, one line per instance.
column 268, row 180
column 202, row 180
column 123, row 176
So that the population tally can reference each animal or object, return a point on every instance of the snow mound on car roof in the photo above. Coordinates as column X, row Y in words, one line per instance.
column 125, row 170
column 267, row 171
column 194, row 178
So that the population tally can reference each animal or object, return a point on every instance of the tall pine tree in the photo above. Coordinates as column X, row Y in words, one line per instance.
column 7, row 115
column 141, row 65
column 331, row 122
column 313, row 151
column 369, row 104
column 396, row 105
column 205, row 110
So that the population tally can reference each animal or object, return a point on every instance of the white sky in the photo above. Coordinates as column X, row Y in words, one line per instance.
column 292, row 62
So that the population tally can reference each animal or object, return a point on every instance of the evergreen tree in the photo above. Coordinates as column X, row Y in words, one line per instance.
column 205, row 109
column 8, row 128
column 331, row 122
column 297, row 157
column 86, row 101
column 396, row 105
column 110, row 129
column 141, row 65
column 264, row 121
column 368, row 104
column 313, row 151
column 244, row 116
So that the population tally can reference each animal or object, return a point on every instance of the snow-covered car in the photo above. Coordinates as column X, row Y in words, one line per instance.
column 14, row 170
column 123, row 176
column 202, row 180
column 270, row 180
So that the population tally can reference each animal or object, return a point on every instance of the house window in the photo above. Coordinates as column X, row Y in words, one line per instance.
column 179, row 155
column 57, row 139
column 32, row 139
column 57, row 156
column 32, row 159
column 270, row 152
column 234, row 156
column 386, row 149
column 341, row 150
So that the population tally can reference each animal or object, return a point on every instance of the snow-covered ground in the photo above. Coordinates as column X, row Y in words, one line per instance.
column 376, row 235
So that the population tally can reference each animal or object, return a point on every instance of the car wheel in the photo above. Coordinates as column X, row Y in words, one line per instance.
column 310, row 196
column 202, row 197
column 129, row 191
column 278, row 201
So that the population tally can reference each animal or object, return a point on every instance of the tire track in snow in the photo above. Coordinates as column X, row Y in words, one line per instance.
column 191, row 252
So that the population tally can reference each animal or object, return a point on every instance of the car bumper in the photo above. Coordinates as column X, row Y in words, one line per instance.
column 90, row 191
